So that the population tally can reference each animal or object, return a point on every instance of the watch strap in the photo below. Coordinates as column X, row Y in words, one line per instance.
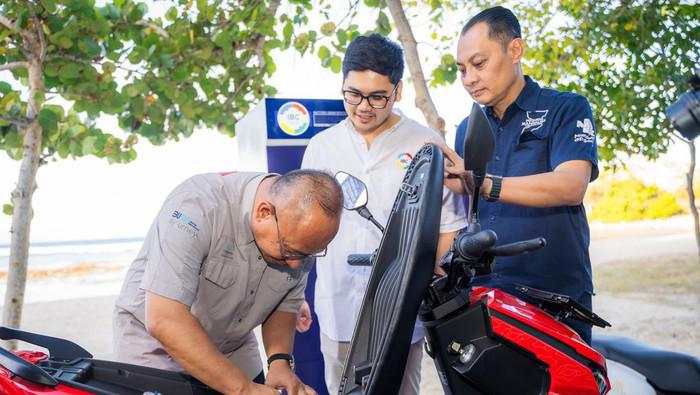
column 495, row 192
column 287, row 357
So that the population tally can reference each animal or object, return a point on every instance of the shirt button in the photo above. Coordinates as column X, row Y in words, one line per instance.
column 500, row 129
column 252, row 292
column 497, row 158
column 239, row 320
column 259, row 257
column 492, row 218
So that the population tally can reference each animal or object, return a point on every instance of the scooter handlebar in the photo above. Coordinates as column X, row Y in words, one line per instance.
column 518, row 248
column 473, row 245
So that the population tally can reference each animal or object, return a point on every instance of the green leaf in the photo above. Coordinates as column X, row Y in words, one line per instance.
column 49, row 6
column 5, row 87
column 48, row 120
column 324, row 52
column 336, row 64
column 172, row 13
column 372, row 3
column 89, row 145
column 383, row 24
column 8, row 209
column 328, row 28
column 89, row 47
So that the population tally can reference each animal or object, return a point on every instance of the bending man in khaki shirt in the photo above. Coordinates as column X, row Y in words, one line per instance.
column 226, row 253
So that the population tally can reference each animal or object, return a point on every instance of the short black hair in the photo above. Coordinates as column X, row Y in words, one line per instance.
column 316, row 186
column 377, row 53
column 503, row 24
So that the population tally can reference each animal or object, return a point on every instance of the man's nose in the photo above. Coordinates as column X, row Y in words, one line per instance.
column 364, row 105
column 469, row 79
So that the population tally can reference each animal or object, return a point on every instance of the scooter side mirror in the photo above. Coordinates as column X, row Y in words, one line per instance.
column 479, row 142
column 354, row 191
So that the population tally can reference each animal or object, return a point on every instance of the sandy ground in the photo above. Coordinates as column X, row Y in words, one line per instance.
column 79, row 308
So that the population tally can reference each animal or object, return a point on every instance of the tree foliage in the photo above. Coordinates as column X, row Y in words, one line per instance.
column 631, row 59
column 202, row 64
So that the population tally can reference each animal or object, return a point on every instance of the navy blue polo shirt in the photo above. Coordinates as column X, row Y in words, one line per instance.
column 542, row 129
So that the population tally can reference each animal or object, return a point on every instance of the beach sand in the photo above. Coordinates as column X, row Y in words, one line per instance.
column 76, row 303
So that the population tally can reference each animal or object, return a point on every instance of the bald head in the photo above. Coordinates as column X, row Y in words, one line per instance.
column 296, row 215
column 301, row 190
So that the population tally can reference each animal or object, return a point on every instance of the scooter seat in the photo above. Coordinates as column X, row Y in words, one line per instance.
column 667, row 371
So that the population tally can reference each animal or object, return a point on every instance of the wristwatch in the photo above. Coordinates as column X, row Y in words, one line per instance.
column 495, row 192
column 287, row 357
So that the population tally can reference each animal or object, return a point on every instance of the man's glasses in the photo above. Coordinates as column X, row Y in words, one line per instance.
column 375, row 101
column 285, row 254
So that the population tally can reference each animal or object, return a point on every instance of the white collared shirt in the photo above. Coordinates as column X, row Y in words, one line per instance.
column 340, row 287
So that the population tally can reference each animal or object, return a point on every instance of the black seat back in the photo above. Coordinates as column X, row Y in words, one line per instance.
column 399, row 278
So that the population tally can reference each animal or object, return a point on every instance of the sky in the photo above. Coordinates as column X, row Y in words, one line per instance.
column 88, row 198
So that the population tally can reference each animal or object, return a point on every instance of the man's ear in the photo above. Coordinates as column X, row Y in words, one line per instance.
column 263, row 211
column 399, row 90
column 516, row 49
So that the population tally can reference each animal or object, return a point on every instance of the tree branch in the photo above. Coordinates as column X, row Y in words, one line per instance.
column 7, row 23
column 423, row 100
column 19, row 122
column 13, row 65
column 159, row 30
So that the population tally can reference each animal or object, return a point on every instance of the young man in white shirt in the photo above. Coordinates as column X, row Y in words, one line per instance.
column 375, row 144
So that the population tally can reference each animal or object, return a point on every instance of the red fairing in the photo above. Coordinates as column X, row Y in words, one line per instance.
column 14, row 385
column 568, row 375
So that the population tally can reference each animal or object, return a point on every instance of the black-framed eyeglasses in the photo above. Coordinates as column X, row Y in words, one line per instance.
column 292, row 256
column 375, row 101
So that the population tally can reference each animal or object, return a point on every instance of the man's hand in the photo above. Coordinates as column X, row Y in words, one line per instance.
column 280, row 376
column 457, row 179
column 259, row 389
column 304, row 319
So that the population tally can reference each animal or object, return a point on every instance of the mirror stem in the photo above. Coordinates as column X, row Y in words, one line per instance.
column 364, row 212
column 474, row 200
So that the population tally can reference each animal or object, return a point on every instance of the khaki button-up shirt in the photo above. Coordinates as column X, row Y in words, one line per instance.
column 200, row 252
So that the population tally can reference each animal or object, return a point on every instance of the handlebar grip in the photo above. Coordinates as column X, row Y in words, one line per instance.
column 474, row 244
column 519, row 247
column 360, row 259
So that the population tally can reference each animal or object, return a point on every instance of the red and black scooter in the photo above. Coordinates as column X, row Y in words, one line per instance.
column 483, row 340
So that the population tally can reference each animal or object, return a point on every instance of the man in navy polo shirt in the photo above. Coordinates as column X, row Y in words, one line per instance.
column 544, row 158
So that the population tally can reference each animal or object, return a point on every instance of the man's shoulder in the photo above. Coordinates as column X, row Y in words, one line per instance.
column 411, row 127
column 329, row 133
column 563, row 98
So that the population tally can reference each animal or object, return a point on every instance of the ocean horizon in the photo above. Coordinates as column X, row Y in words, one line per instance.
column 60, row 253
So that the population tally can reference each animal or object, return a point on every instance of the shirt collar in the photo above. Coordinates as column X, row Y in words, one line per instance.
column 246, row 206
column 527, row 99
column 358, row 137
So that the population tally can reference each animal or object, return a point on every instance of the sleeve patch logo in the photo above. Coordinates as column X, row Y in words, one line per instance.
column 185, row 223
column 587, row 133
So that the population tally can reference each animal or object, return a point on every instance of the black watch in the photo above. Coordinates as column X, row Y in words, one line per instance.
column 495, row 192
column 287, row 357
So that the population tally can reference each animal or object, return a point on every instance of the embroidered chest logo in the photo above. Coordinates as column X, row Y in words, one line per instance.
column 403, row 160
column 185, row 223
column 534, row 120
column 587, row 133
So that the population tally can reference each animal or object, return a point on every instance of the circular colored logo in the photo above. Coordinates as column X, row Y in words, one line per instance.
column 404, row 160
column 293, row 118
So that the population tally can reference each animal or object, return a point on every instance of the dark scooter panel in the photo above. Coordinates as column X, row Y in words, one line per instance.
column 400, row 275
column 667, row 371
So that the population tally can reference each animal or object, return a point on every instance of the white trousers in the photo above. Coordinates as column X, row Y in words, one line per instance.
column 334, row 354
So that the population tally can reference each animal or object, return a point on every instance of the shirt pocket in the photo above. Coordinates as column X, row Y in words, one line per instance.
column 531, row 153
column 221, row 272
